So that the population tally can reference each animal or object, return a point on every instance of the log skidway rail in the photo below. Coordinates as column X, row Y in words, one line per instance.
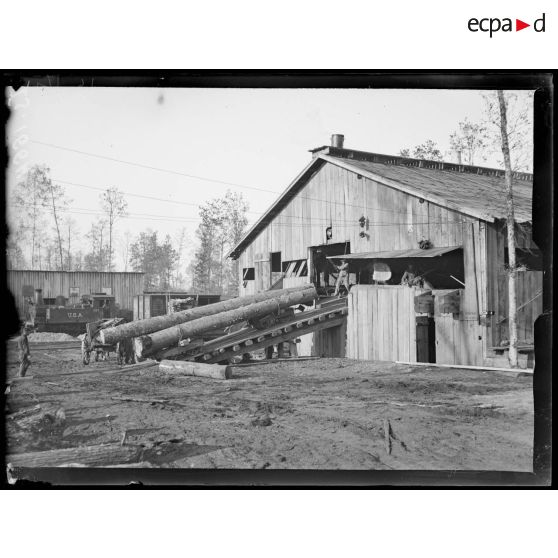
column 251, row 339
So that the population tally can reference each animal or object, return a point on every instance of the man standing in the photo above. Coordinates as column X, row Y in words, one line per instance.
column 23, row 349
column 342, row 278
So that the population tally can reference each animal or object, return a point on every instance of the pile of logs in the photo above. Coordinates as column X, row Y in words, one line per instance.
column 151, row 335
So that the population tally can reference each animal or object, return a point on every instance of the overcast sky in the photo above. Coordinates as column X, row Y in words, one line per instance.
column 258, row 139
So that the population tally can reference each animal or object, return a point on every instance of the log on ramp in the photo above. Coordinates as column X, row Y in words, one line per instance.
column 149, row 344
column 111, row 335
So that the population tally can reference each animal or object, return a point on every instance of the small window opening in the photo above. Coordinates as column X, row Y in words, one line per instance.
column 248, row 274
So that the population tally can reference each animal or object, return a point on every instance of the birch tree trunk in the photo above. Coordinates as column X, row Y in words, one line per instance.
column 512, row 268
column 57, row 228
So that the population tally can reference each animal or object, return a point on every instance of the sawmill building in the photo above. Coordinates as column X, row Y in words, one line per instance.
column 385, row 215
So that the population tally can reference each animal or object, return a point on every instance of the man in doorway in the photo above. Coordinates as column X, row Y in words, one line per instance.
column 320, row 266
column 342, row 278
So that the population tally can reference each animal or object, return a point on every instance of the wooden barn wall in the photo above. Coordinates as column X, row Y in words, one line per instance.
column 381, row 323
column 124, row 285
column 333, row 195
column 529, row 288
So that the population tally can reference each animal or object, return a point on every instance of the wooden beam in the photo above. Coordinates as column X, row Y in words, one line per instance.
column 465, row 367
column 286, row 337
column 105, row 454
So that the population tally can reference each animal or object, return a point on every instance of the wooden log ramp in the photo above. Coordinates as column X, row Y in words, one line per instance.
column 112, row 335
column 149, row 344
column 189, row 368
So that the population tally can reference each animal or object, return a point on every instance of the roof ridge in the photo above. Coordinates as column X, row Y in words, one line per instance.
column 369, row 156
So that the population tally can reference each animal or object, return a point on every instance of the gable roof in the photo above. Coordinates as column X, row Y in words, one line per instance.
column 478, row 192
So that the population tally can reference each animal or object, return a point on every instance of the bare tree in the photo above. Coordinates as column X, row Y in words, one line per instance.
column 71, row 232
column 519, row 114
column 125, row 249
column 181, row 241
column 114, row 205
column 58, row 202
column 96, row 258
column 30, row 198
column 512, row 268
column 469, row 140
column 428, row 151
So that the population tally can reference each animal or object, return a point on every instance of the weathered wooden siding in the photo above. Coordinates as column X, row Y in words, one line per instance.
column 335, row 196
column 397, row 221
column 381, row 323
column 529, row 283
column 123, row 285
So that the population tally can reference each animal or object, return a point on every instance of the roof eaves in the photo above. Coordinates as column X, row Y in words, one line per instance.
column 239, row 248
column 407, row 189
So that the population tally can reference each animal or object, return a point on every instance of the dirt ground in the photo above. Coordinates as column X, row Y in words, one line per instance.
column 313, row 414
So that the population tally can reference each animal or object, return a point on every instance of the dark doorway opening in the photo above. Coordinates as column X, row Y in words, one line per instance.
column 324, row 272
column 276, row 262
column 426, row 339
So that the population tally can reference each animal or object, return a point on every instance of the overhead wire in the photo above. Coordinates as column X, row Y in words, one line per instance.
column 197, row 177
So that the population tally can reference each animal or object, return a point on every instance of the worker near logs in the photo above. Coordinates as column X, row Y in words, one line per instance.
column 23, row 349
column 320, row 267
column 342, row 278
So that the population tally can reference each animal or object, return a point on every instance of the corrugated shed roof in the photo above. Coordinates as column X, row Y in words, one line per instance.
column 393, row 254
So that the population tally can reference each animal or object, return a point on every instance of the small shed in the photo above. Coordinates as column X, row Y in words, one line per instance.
column 156, row 303
column 444, row 221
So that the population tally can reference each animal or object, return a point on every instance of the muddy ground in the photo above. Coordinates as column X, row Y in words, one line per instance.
column 314, row 414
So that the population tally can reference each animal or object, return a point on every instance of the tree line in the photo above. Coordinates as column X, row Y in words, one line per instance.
column 43, row 235
column 471, row 143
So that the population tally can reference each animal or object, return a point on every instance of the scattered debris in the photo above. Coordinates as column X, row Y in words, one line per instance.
column 140, row 399
column 387, row 436
column 262, row 421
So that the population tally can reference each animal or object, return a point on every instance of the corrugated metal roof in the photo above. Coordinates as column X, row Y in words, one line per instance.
column 393, row 254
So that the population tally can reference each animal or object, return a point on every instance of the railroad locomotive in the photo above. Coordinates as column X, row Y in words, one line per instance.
column 60, row 317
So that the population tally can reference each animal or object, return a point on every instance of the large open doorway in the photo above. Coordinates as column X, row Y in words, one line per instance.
column 322, row 271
